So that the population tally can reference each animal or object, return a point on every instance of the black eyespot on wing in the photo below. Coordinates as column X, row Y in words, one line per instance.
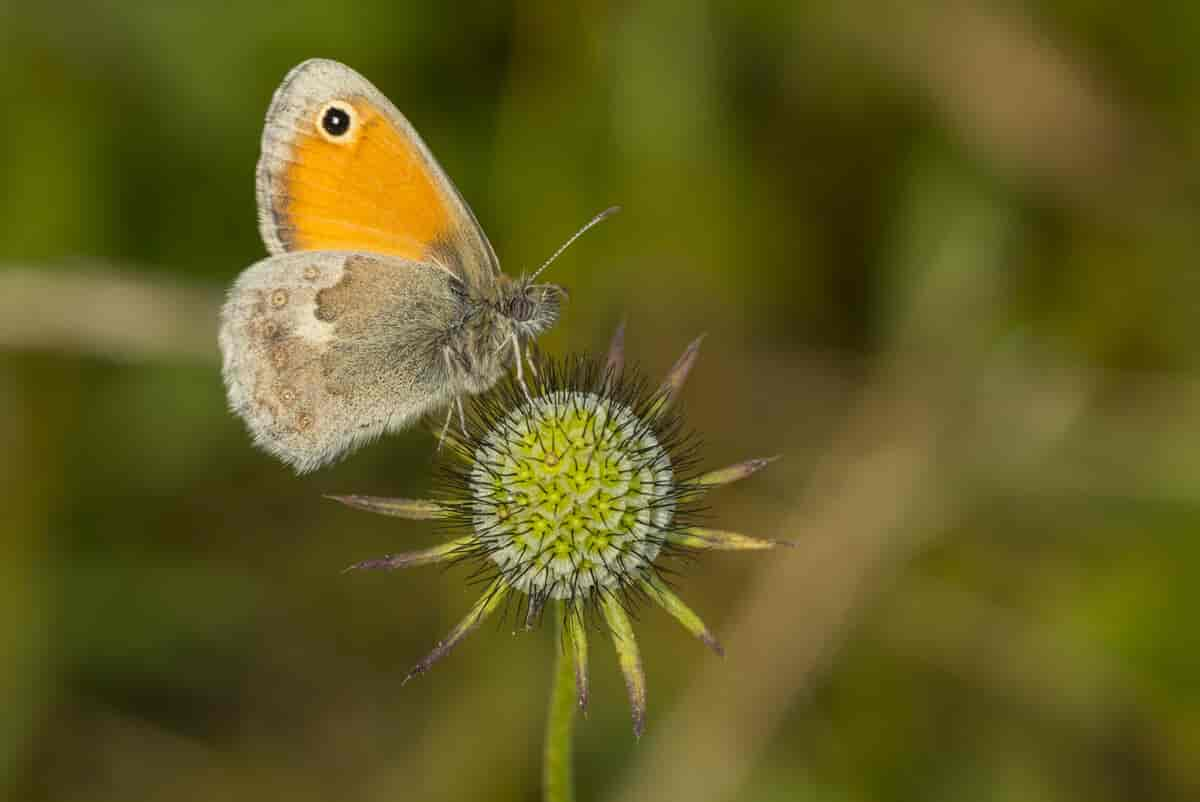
column 336, row 120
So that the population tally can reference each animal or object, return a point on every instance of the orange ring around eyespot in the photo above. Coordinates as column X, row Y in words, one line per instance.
column 371, row 192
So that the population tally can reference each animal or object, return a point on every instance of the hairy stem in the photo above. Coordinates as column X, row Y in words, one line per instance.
column 556, row 767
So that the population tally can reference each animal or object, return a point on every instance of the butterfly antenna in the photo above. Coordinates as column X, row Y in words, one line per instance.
column 604, row 215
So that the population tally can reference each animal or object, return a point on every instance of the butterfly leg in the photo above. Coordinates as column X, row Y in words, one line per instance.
column 445, row 427
column 530, row 350
column 455, row 403
column 462, row 417
column 516, row 344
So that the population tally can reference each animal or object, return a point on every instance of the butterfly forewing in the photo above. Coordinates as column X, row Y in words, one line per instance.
column 342, row 169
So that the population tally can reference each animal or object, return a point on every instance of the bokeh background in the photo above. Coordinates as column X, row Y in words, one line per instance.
column 947, row 257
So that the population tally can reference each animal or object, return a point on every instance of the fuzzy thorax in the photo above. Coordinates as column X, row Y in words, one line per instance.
column 481, row 346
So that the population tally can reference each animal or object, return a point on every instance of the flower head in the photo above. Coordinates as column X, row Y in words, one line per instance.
column 569, row 491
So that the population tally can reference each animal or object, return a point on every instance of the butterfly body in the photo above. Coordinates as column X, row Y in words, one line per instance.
column 382, row 298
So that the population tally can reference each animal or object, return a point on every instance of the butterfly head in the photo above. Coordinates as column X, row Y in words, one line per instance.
column 533, row 308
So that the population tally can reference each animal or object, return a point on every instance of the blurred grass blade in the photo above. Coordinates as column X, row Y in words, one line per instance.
column 658, row 590
column 415, row 509
column 483, row 608
column 628, row 657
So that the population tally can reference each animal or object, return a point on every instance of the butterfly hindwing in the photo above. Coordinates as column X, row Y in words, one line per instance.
column 325, row 350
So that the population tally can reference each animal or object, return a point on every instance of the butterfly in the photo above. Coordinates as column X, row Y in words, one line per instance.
column 382, row 298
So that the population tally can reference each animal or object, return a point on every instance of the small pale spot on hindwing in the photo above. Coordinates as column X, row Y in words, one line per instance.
column 279, row 298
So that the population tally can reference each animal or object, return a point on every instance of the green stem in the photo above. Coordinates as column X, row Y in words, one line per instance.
column 556, row 767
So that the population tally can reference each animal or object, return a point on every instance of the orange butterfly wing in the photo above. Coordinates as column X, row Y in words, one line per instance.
column 341, row 169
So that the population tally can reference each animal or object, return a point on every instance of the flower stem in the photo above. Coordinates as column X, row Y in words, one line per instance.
column 557, row 783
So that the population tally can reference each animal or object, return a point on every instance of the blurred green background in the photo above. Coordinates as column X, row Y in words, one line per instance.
column 948, row 260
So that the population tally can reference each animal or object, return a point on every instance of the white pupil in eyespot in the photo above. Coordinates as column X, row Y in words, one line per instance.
column 335, row 121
